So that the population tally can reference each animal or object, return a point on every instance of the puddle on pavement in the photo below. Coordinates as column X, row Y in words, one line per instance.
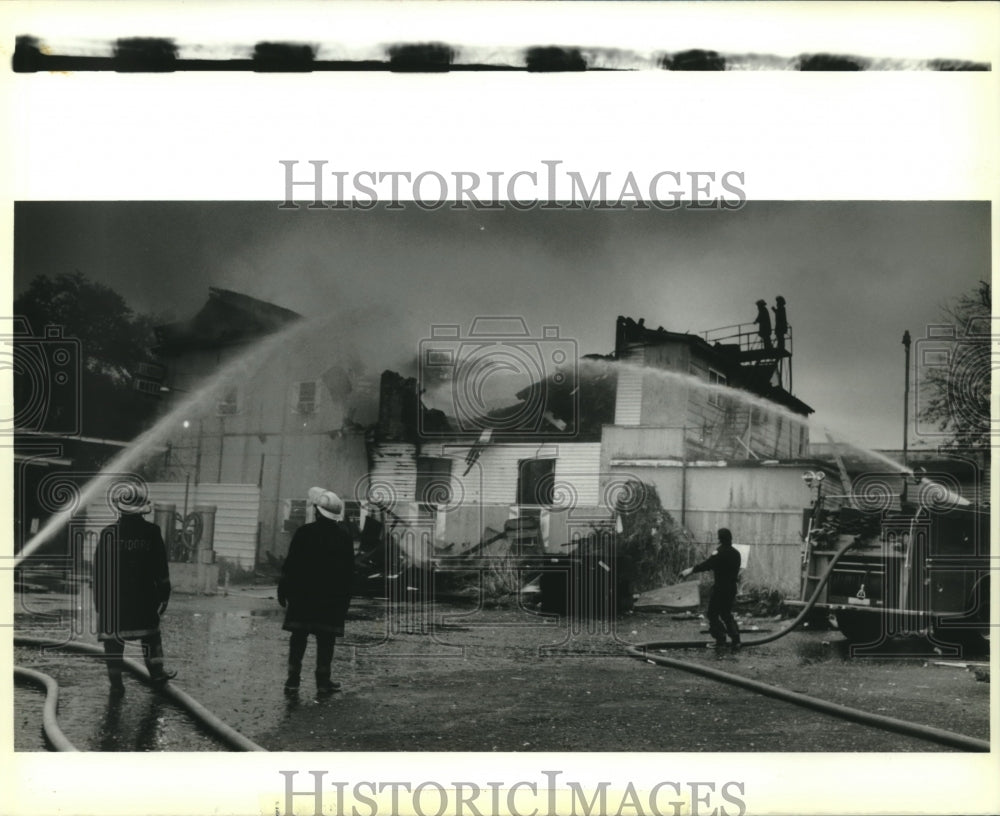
column 242, row 613
column 92, row 719
column 268, row 613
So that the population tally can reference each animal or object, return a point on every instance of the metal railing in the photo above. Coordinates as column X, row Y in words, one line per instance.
column 743, row 335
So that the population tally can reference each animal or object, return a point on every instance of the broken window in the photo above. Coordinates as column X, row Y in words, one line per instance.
column 433, row 480
column 715, row 378
column 535, row 481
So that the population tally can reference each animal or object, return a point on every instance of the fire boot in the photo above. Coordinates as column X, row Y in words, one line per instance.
column 733, row 628
column 153, row 653
column 324, row 685
column 296, row 651
column 162, row 676
column 115, row 678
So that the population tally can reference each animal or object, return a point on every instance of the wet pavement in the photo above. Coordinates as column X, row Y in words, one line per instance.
column 454, row 677
column 93, row 719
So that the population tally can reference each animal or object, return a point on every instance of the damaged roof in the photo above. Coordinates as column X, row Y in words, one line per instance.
column 227, row 318
column 755, row 378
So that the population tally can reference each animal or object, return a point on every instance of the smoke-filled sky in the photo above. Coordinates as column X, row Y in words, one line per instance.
column 854, row 275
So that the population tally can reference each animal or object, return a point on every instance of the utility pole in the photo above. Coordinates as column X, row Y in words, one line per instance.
column 906, row 409
column 906, row 396
column 683, row 476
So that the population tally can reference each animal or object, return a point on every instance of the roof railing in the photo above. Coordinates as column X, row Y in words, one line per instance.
column 743, row 335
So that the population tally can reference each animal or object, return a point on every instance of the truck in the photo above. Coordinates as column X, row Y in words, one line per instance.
column 906, row 569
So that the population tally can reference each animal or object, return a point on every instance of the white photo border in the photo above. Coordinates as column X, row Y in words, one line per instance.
column 890, row 135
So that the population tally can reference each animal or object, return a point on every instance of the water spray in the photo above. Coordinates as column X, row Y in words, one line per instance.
column 195, row 402
column 754, row 400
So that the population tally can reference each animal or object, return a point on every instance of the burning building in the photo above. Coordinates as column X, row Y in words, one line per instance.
column 271, row 423
column 708, row 420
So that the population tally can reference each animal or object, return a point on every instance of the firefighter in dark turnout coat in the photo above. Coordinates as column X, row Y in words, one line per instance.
column 131, row 588
column 315, row 588
column 725, row 564
column 763, row 321
column 780, row 322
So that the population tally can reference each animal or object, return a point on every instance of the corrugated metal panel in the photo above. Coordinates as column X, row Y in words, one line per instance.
column 775, row 549
column 237, row 507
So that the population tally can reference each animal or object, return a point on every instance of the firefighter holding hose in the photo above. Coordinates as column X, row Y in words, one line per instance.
column 725, row 565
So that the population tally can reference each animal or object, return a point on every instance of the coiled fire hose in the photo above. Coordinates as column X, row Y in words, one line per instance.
column 644, row 651
column 227, row 734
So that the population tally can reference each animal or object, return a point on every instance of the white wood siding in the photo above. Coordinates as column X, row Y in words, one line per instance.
column 628, row 395
column 579, row 465
column 236, row 514
column 485, row 497
column 393, row 474
column 492, row 479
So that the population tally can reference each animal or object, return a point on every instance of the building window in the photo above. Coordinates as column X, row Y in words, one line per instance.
column 306, row 397
column 433, row 480
column 535, row 481
column 715, row 378
column 294, row 516
column 229, row 403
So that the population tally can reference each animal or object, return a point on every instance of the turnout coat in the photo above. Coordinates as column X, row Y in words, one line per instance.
column 131, row 579
column 724, row 564
column 316, row 578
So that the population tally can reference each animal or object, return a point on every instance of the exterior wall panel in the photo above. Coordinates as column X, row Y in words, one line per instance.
column 762, row 505
column 628, row 395
column 394, row 465
column 642, row 443
column 237, row 507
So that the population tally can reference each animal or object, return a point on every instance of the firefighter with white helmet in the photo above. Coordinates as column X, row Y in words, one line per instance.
column 131, row 583
column 315, row 588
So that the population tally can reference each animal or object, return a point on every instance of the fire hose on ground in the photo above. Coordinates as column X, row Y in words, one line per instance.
column 644, row 651
column 228, row 735
column 50, row 723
